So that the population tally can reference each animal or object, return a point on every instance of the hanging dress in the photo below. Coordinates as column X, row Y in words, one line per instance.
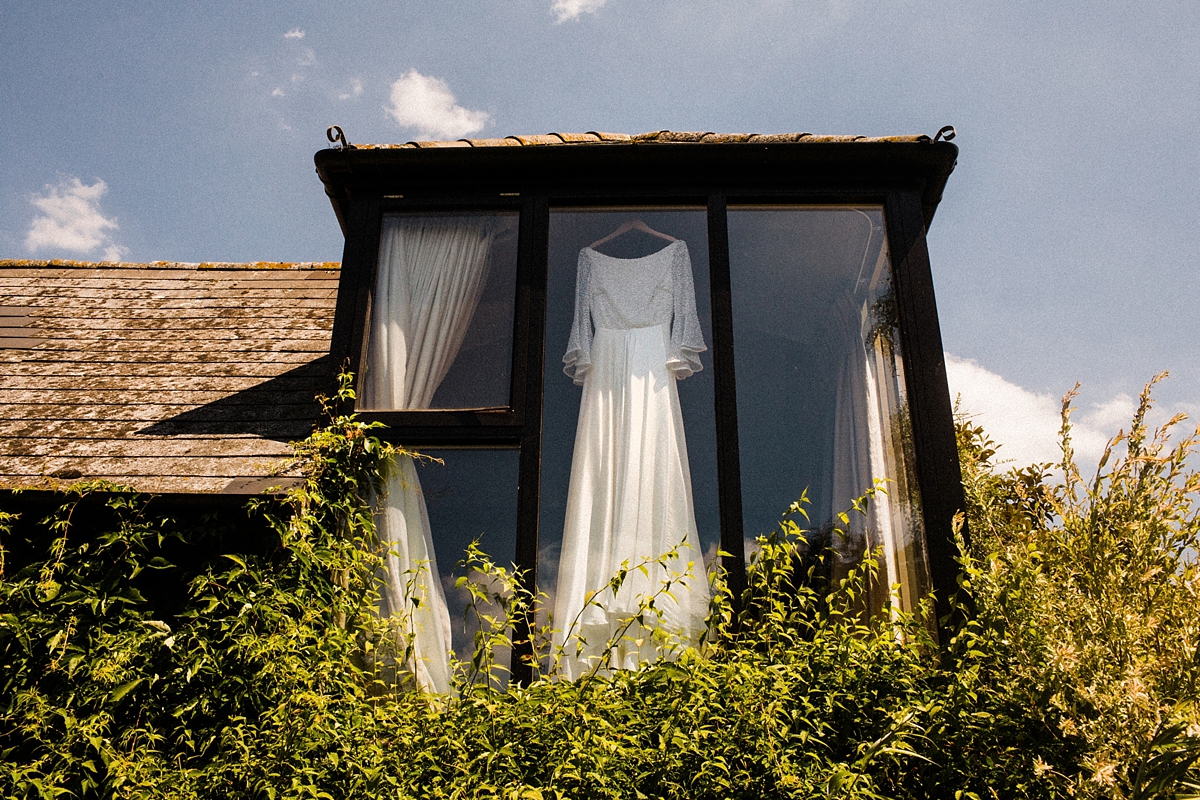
column 629, row 501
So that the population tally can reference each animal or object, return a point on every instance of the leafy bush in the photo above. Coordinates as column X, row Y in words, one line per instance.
column 1089, row 593
column 267, row 673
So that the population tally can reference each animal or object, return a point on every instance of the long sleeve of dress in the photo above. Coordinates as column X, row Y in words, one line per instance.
column 687, row 339
column 579, row 346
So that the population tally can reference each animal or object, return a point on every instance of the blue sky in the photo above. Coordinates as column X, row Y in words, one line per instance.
column 1065, row 248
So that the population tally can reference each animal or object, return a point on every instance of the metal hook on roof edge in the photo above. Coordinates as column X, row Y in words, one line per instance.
column 945, row 134
column 336, row 135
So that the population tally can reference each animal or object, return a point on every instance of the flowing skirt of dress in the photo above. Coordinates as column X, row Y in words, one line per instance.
column 628, row 505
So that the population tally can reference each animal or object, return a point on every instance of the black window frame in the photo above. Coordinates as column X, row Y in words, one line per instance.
column 904, row 178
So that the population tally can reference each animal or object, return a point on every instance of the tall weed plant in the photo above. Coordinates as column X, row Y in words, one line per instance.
column 269, row 674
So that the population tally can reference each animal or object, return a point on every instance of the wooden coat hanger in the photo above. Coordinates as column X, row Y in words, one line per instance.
column 632, row 225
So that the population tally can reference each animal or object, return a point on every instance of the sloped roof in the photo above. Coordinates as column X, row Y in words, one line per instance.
column 170, row 377
column 653, row 137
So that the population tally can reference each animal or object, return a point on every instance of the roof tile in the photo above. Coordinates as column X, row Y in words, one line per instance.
column 508, row 141
column 576, row 138
column 611, row 137
column 549, row 138
column 771, row 138
column 170, row 377
column 654, row 137
column 449, row 143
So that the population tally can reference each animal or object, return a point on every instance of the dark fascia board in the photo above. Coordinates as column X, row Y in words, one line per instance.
column 637, row 168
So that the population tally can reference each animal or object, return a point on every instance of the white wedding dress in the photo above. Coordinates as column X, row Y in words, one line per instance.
column 630, row 496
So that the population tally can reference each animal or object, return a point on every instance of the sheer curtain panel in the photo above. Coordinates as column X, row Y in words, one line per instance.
column 432, row 270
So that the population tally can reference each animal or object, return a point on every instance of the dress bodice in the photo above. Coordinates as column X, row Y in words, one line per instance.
column 631, row 293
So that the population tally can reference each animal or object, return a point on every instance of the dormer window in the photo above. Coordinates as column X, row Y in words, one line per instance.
column 643, row 351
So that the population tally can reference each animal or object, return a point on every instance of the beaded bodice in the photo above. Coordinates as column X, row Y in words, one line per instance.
column 632, row 293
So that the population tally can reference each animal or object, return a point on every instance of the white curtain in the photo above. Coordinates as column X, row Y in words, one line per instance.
column 432, row 271
column 894, row 513
column 867, row 448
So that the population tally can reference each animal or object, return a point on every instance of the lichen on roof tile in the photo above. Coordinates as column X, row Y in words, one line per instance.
column 576, row 138
column 724, row 138
column 674, row 136
column 772, row 138
column 833, row 138
column 918, row 138
column 611, row 137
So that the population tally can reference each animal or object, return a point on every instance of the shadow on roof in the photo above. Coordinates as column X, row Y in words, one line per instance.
column 283, row 408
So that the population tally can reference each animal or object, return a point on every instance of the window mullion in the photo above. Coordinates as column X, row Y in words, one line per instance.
column 725, row 395
column 531, row 295
column 931, row 413
column 524, row 340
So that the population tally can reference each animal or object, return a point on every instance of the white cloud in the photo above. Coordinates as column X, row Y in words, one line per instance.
column 356, row 89
column 294, row 33
column 70, row 219
column 427, row 104
column 277, row 92
column 1026, row 424
column 564, row 10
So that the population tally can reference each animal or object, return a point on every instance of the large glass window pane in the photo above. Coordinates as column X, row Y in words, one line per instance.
column 820, row 387
column 439, row 334
column 629, row 446
column 447, row 501
column 471, row 496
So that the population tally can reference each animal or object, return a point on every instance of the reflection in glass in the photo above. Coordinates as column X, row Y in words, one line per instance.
column 820, row 388
column 471, row 495
column 625, row 307
column 441, row 321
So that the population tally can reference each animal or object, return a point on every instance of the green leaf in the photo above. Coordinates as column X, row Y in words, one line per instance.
column 124, row 689
column 235, row 559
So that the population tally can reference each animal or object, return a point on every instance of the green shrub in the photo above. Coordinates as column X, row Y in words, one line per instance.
column 1088, row 591
column 268, row 674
